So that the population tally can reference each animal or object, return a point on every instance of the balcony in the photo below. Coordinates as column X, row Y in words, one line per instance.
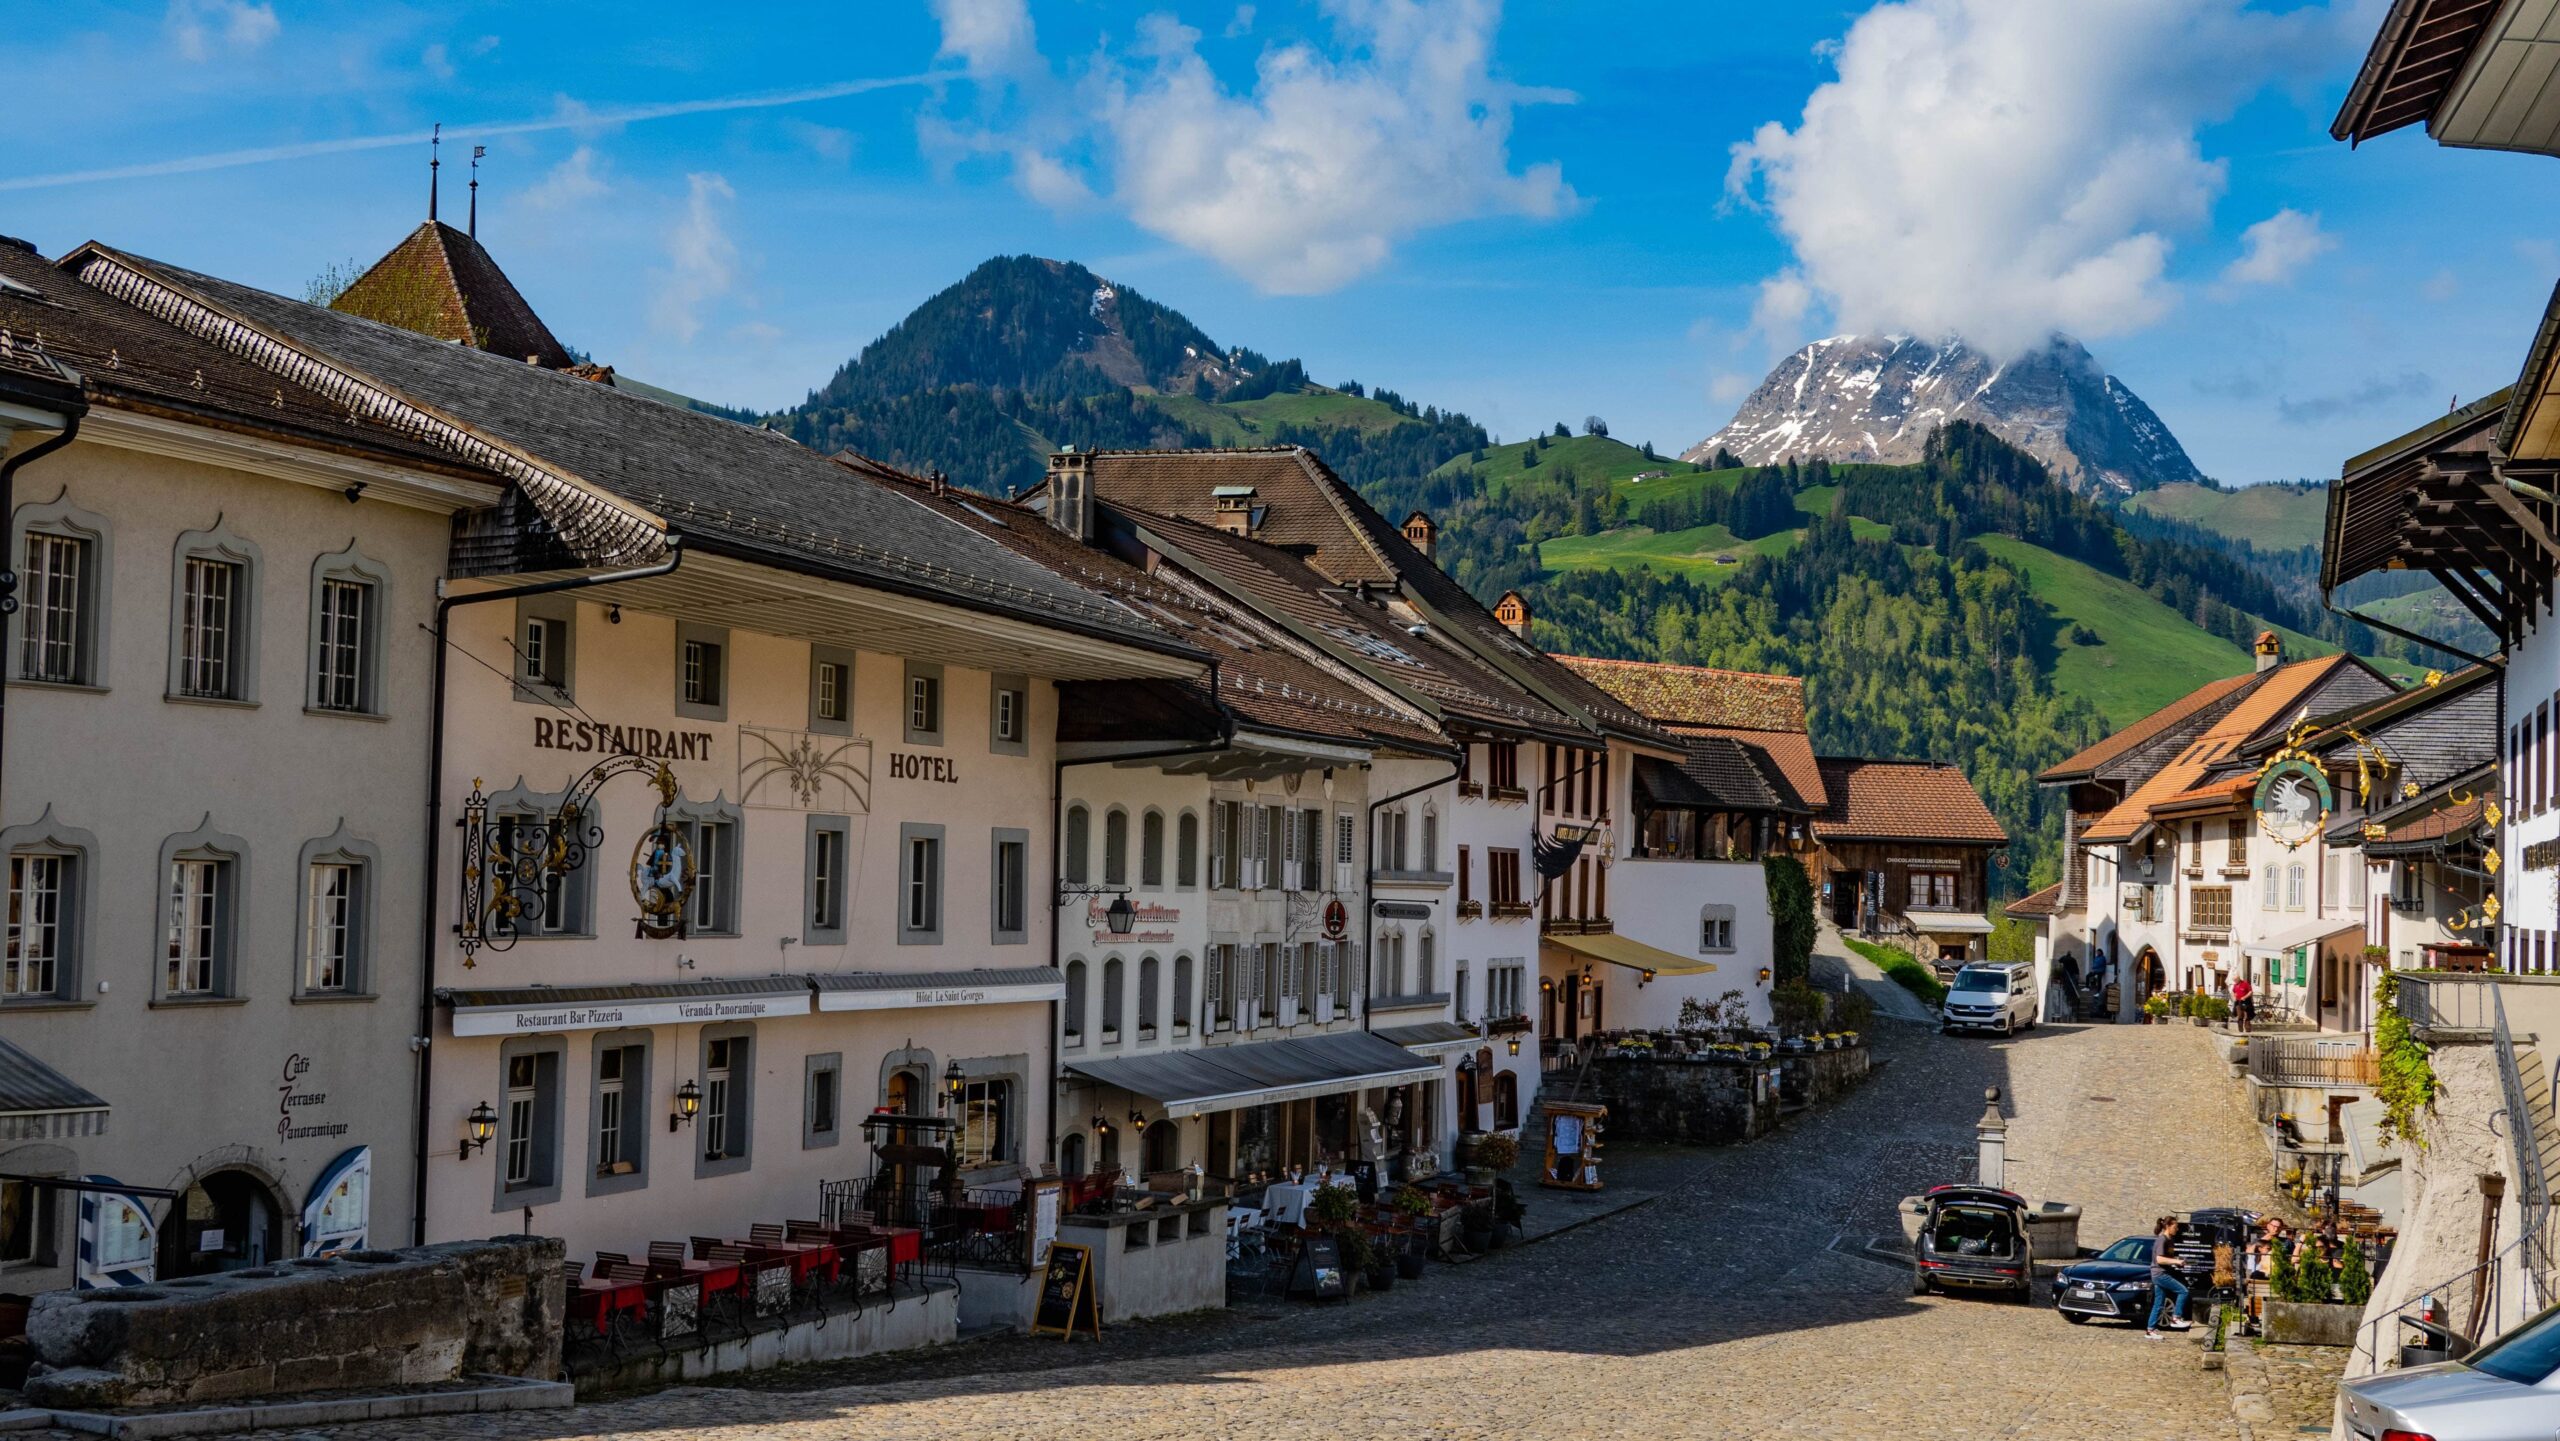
column 1577, row 926
column 1506, row 793
column 1511, row 910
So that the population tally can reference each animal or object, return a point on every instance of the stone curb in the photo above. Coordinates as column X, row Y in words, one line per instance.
column 495, row 1394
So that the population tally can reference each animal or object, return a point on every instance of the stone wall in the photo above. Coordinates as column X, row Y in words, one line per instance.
column 370, row 1319
column 1691, row 1101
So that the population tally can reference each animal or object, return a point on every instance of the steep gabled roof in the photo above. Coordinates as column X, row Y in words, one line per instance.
column 2195, row 705
column 440, row 282
column 1696, row 695
column 2036, row 905
column 1903, row 801
column 2281, row 691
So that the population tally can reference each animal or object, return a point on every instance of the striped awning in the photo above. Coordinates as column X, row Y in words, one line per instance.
column 39, row 1103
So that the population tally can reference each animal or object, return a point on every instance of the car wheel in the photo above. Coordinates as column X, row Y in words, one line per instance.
column 1920, row 1285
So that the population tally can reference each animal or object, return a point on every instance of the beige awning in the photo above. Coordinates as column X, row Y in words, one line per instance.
column 1618, row 950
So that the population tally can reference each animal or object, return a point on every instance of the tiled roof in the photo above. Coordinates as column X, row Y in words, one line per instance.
column 1695, row 695
column 440, row 282
column 720, row 484
column 1903, row 800
column 2133, row 736
column 132, row 360
column 2281, row 690
column 1735, row 773
column 2046, row 902
column 1265, row 679
column 1790, row 752
column 1304, row 508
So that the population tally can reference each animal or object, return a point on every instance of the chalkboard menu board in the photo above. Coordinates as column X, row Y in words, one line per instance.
column 1068, row 1300
column 1320, row 1271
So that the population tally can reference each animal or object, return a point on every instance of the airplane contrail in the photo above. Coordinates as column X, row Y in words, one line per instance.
column 224, row 160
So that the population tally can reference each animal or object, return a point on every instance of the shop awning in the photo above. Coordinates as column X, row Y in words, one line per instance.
column 523, row 1010
column 2300, row 933
column 1948, row 923
column 39, row 1103
column 1260, row 1073
column 1432, row 1038
column 908, row 990
column 1617, row 950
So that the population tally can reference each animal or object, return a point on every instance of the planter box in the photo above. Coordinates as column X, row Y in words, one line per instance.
column 2303, row 1323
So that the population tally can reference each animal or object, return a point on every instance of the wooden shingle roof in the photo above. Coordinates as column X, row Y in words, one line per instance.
column 1696, row 695
column 441, row 282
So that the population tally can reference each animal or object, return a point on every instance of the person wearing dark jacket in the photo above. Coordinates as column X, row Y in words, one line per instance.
column 2164, row 1280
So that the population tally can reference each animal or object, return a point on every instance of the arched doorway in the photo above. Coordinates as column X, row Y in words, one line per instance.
column 1467, row 1119
column 225, row 1220
column 1071, row 1154
column 1506, row 1101
column 1160, row 1148
column 904, row 1094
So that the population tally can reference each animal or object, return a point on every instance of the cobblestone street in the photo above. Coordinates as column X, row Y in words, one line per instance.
column 1730, row 1307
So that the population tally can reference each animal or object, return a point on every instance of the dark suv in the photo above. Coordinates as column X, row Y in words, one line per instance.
column 1974, row 1238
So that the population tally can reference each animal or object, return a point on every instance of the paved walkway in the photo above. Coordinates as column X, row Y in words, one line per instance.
column 1740, row 1303
column 1836, row 967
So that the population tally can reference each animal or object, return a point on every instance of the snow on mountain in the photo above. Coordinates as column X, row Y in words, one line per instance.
column 1877, row 397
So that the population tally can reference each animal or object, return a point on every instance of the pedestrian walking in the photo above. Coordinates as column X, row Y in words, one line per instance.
column 2244, row 1002
column 2164, row 1280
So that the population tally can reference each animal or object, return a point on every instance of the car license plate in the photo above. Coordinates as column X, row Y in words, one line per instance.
column 2086, row 1293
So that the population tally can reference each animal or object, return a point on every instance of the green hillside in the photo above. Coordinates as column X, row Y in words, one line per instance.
column 1261, row 421
column 2270, row 517
column 1707, row 553
column 2146, row 655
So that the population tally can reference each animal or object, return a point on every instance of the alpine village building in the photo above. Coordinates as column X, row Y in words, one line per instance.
column 547, row 807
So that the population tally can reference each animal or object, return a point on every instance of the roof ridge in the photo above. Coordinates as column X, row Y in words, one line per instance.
column 1678, row 666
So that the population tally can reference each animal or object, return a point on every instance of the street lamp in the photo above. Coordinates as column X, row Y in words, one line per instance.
column 688, row 1104
column 1515, row 1043
column 954, row 1081
column 1119, row 917
column 481, row 1129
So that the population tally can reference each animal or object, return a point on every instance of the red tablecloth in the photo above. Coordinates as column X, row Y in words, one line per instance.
column 597, row 1303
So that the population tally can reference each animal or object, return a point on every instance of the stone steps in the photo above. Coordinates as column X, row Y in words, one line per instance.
column 2537, row 1099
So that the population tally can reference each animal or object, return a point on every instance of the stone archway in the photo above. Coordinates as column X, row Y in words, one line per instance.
column 227, row 1217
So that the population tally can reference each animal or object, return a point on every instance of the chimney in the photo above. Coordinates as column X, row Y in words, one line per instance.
column 1232, row 509
column 1513, row 611
column 1422, row 534
column 2270, row 650
column 1071, row 493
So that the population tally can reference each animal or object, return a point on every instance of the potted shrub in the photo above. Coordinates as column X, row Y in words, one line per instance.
column 2302, row 1309
column 1414, row 1209
column 1495, row 1153
column 2155, row 1009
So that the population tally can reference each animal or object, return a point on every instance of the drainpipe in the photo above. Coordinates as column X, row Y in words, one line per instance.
column 9, row 507
column 1057, row 827
column 425, row 1043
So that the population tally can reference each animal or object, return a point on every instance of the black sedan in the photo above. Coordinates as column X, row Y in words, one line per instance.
column 2114, row 1285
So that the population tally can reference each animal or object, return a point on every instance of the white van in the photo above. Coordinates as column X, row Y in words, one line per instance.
column 1991, row 997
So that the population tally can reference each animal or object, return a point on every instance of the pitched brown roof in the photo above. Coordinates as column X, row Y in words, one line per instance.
column 2280, row 691
column 1904, row 801
column 2046, row 902
column 2132, row 737
column 1696, row 695
column 1263, row 678
column 1302, row 507
column 440, row 282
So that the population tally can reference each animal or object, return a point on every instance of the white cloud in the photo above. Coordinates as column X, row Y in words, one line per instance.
column 1240, row 23
column 438, row 61
column 202, row 29
column 2275, row 249
column 992, row 37
column 2441, row 286
column 1781, row 305
column 1310, row 179
column 702, row 261
column 1728, row 387
column 827, row 142
column 571, row 183
column 2001, row 170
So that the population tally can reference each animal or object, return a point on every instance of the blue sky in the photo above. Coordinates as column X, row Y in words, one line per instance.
column 1528, row 213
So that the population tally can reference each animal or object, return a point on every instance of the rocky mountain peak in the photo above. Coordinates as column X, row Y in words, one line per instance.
column 1877, row 397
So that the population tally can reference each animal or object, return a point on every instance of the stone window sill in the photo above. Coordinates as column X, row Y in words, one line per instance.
column 47, row 1003
column 333, row 998
column 75, row 687
column 333, row 713
column 195, row 1003
column 218, row 702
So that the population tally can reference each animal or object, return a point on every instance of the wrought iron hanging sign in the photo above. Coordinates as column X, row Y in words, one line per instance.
column 516, row 869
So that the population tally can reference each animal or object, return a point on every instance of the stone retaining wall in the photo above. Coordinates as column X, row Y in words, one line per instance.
column 364, row 1319
column 1703, row 1102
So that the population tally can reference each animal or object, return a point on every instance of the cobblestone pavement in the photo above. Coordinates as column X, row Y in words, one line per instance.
column 1730, row 1307
column 2285, row 1391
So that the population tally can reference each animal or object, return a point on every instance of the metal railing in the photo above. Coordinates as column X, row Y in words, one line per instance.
column 982, row 1227
column 2523, row 1134
column 2276, row 1060
column 2448, row 1004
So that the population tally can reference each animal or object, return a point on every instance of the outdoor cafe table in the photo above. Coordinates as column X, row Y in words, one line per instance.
column 1286, row 1201
column 598, row 1302
column 807, row 1258
column 717, row 1277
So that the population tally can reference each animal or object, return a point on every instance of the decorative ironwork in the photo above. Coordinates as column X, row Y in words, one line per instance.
column 509, row 862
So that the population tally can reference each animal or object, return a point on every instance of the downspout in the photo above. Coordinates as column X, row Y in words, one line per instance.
column 1057, row 828
column 1368, row 901
column 8, row 509
column 425, row 1042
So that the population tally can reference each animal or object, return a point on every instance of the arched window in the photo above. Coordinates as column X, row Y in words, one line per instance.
column 1073, row 1016
column 1079, row 865
column 1151, row 850
column 1161, row 1149
column 2293, row 887
column 2267, row 893
column 1426, row 969
column 1147, row 978
column 1391, row 960
column 1111, row 974
column 1115, row 847
column 1107, row 1152
column 1186, row 851
column 1071, row 1154
column 1430, row 857
column 1182, row 995
column 1506, row 1101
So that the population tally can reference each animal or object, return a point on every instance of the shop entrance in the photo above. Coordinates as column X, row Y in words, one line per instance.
column 224, row 1221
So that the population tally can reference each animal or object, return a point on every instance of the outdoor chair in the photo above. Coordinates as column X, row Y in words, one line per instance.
column 723, row 1251
column 627, row 1271
column 703, row 1247
column 607, row 1260
column 765, row 1233
column 574, row 1273
column 667, row 1253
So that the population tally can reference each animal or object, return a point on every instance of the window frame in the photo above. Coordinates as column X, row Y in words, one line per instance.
column 578, row 887
column 812, row 930
column 828, row 1064
column 349, row 567
column 726, row 872
column 999, row 882
column 820, row 658
column 562, row 685
column 1078, row 978
column 1018, row 689
column 1151, row 848
column 230, row 855
column 223, row 546
column 738, row 1125
column 714, row 641
column 549, row 1054
column 1711, row 917
column 936, row 886
column 1186, row 858
column 638, row 1092
column 940, row 704
column 365, row 858
column 1115, row 846
column 74, row 910
column 93, row 615
column 999, row 1091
